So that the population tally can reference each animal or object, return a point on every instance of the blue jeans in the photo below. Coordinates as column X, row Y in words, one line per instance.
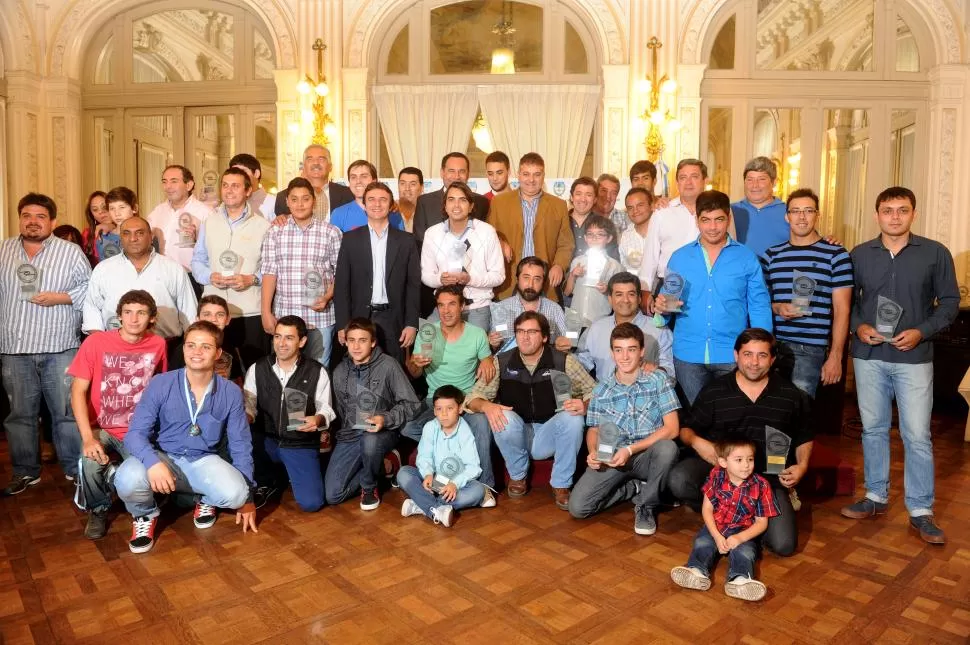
column 560, row 438
column 877, row 382
column 303, row 469
column 479, row 426
column 802, row 364
column 96, row 490
column 26, row 378
column 215, row 480
column 318, row 343
column 411, row 482
column 356, row 464
column 704, row 555
column 692, row 377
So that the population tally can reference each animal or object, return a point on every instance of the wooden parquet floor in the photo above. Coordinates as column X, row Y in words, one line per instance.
column 524, row 573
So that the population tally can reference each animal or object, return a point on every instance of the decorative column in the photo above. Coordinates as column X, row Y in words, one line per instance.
column 60, row 171
column 23, row 134
column 355, row 106
column 616, row 119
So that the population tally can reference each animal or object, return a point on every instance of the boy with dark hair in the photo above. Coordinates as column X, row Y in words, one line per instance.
column 737, row 505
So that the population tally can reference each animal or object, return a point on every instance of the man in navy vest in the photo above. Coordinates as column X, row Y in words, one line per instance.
column 519, row 404
column 285, row 449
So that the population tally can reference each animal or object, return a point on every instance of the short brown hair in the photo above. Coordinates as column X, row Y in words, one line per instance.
column 205, row 327
column 122, row 194
column 691, row 162
column 732, row 441
column 363, row 162
column 625, row 331
column 138, row 297
column 532, row 159
column 498, row 156
column 801, row 193
column 239, row 172
column 542, row 321
column 362, row 324
column 583, row 181
column 212, row 299
column 643, row 166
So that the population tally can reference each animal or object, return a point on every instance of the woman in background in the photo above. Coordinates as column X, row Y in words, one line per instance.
column 99, row 222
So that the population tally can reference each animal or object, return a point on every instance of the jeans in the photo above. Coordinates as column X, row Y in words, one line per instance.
column 802, row 364
column 597, row 490
column 692, row 377
column 26, row 378
column 877, row 382
column 96, row 490
column 688, row 476
column 356, row 464
column 300, row 465
column 704, row 555
column 318, row 343
column 480, row 430
column 480, row 317
column 411, row 482
column 560, row 438
column 215, row 480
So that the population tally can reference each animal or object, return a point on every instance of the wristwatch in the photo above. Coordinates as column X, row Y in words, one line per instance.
column 255, row 280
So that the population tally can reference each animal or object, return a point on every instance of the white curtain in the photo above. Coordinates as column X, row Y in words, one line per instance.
column 554, row 120
column 423, row 123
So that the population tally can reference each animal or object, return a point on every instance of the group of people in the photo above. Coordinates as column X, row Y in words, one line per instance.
column 674, row 346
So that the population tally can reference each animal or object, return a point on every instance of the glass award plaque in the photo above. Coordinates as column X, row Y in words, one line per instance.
column 28, row 279
column 562, row 387
column 113, row 323
column 229, row 262
column 597, row 265
column 501, row 321
column 295, row 402
column 606, row 442
column 109, row 250
column 673, row 290
column 574, row 324
column 367, row 403
column 186, row 232
column 802, row 291
column 313, row 287
column 777, row 444
column 430, row 342
column 455, row 257
column 888, row 313
column 450, row 468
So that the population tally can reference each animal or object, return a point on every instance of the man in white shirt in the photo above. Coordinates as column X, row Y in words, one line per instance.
column 175, row 222
column 138, row 266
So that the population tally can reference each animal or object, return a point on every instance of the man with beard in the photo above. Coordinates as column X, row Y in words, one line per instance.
column 743, row 403
column 530, row 277
column 410, row 185
column 329, row 196
column 43, row 280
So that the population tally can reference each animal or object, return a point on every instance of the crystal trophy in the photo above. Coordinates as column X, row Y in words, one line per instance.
column 230, row 262
column 295, row 401
column 28, row 278
column 450, row 468
column 113, row 323
column 606, row 442
column 367, row 404
column 597, row 265
column 802, row 291
column 455, row 257
column 888, row 313
column 673, row 290
column 109, row 250
column 313, row 287
column 501, row 322
column 574, row 324
column 777, row 444
column 430, row 341
column 186, row 234
column 562, row 387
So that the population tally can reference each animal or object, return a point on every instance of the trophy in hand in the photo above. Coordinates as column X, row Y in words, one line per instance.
column 28, row 278
column 295, row 402
column 229, row 262
column 450, row 468
column 606, row 442
column 367, row 404
column 777, row 444
column 888, row 313
column 673, row 290
column 802, row 292
column 562, row 386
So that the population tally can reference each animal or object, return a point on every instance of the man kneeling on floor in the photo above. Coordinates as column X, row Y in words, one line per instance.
column 288, row 402
column 447, row 464
column 643, row 406
column 174, row 438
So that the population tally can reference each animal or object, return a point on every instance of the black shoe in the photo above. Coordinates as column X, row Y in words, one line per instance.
column 18, row 485
column 928, row 530
column 263, row 495
column 97, row 525
column 370, row 499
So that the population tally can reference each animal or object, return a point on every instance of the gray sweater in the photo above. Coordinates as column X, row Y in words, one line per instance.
column 383, row 376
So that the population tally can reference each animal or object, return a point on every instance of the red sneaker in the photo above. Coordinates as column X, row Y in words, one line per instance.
column 142, row 534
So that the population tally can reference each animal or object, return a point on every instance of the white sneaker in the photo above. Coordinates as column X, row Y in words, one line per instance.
column 744, row 588
column 690, row 578
column 442, row 514
column 410, row 508
column 489, row 500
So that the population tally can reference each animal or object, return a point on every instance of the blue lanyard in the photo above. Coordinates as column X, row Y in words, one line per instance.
column 194, row 429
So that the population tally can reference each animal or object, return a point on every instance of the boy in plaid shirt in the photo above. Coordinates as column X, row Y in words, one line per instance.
column 737, row 505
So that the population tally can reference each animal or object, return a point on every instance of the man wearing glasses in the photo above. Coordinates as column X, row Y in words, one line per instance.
column 519, row 404
column 824, row 282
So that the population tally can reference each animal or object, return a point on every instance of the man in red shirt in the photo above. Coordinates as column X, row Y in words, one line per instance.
column 114, row 368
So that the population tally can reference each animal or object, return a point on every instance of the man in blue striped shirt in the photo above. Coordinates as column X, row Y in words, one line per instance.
column 43, row 281
column 804, row 331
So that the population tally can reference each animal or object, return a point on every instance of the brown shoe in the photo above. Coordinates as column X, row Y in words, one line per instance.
column 562, row 497
column 517, row 488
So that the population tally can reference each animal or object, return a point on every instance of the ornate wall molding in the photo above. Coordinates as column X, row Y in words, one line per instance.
column 30, row 153
column 944, row 207
column 59, row 145
column 696, row 28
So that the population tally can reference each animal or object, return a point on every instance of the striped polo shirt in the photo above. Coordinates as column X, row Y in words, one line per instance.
column 831, row 268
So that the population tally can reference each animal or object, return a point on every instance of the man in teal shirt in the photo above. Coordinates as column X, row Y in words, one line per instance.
column 461, row 362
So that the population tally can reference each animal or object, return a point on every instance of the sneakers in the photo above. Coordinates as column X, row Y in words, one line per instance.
column 744, row 588
column 690, row 578
column 204, row 516
column 142, row 535
column 863, row 509
column 69, row 478
column 442, row 514
column 370, row 499
column 517, row 488
column 562, row 497
column 97, row 525
column 392, row 464
column 644, row 523
column 489, row 500
column 263, row 494
column 928, row 530
column 18, row 485
column 410, row 508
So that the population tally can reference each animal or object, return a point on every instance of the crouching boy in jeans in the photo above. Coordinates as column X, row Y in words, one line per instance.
column 737, row 505
column 447, row 459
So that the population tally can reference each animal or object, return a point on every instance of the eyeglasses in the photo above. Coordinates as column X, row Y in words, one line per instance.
column 802, row 211
column 528, row 332
column 888, row 212
column 596, row 235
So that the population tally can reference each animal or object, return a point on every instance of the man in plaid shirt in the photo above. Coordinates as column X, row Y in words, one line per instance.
column 644, row 407
column 299, row 260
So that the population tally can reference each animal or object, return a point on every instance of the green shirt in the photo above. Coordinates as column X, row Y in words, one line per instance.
column 460, row 360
